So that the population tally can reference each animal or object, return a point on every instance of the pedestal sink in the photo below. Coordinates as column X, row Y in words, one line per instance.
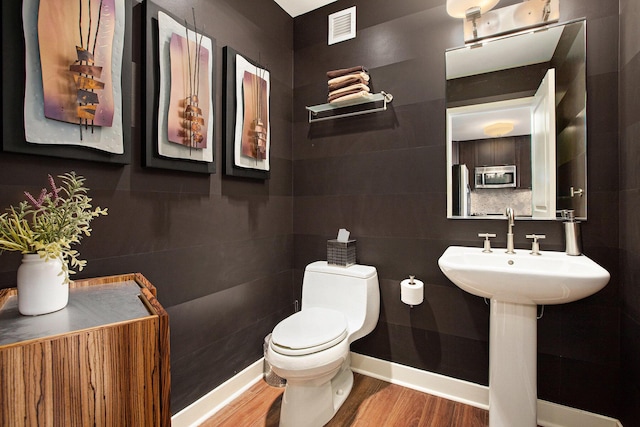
column 516, row 284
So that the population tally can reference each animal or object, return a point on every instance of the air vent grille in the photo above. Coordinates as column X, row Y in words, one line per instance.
column 342, row 25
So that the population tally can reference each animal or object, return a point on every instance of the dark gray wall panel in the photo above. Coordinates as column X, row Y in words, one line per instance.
column 629, row 154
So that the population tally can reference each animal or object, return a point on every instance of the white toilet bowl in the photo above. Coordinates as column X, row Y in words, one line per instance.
column 310, row 349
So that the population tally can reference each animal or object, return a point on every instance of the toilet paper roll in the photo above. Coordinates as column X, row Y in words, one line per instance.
column 412, row 293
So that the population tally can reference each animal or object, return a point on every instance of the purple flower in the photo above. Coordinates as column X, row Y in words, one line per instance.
column 37, row 203
column 53, row 188
column 43, row 194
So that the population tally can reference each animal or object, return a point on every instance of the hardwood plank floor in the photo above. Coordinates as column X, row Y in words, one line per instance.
column 371, row 403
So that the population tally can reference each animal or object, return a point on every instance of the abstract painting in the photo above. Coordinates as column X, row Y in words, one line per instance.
column 188, row 115
column 80, row 93
column 247, row 122
column 180, row 61
column 73, row 90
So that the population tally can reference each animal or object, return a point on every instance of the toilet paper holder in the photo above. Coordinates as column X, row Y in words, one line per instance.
column 412, row 291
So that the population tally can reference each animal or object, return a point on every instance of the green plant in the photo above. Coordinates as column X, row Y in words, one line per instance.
column 50, row 224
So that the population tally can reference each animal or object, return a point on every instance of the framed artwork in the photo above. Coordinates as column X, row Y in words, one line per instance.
column 247, row 128
column 180, row 89
column 66, row 79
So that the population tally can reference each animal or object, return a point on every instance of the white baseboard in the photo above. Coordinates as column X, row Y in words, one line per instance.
column 205, row 407
column 424, row 381
column 549, row 414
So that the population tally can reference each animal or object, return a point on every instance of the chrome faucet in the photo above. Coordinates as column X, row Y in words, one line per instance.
column 511, row 222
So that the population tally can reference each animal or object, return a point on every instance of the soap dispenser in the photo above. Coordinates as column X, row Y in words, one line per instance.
column 572, row 236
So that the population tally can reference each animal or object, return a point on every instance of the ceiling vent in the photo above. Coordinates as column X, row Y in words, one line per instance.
column 342, row 25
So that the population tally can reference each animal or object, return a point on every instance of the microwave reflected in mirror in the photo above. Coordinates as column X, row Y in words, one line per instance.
column 495, row 176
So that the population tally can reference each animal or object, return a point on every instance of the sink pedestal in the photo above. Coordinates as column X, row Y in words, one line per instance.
column 513, row 394
column 517, row 283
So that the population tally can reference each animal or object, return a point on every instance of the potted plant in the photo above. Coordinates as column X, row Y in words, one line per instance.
column 44, row 229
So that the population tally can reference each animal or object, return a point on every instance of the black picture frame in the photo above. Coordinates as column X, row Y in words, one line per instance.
column 230, row 104
column 13, row 92
column 151, row 72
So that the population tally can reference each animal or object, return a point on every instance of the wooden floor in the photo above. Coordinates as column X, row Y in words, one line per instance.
column 372, row 403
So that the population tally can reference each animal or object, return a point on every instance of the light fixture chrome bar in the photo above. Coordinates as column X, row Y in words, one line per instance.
column 509, row 19
column 547, row 11
column 473, row 14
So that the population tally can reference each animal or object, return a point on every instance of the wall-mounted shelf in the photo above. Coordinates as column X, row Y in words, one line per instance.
column 377, row 102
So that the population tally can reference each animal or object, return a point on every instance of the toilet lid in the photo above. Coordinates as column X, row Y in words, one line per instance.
column 308, row 331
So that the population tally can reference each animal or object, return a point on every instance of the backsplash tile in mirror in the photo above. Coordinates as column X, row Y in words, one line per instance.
column 486, row 201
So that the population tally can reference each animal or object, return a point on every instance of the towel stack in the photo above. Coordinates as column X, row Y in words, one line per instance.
column 347, row 84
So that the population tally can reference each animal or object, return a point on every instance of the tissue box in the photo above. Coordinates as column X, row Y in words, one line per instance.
column 341, row 253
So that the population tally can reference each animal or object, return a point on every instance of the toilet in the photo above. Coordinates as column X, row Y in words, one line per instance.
column 310, row 349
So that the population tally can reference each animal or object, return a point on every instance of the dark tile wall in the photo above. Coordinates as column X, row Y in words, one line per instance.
column 219, row 250
column 630, row 206
column 382, row 176
column 570, row 118
column 499, row 85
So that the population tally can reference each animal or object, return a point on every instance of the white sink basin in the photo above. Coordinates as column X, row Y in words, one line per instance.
column 551, row 278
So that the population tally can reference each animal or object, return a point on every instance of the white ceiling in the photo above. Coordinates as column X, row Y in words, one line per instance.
column 508, row 52
column 470, row 126
column 300, row 7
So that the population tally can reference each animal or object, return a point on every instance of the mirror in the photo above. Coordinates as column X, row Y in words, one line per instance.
column 516, row 125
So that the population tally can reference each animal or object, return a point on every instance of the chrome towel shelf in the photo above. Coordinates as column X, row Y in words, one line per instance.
column 377, row 102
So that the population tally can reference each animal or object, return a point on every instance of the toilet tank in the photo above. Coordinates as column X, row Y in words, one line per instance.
column 353, row 290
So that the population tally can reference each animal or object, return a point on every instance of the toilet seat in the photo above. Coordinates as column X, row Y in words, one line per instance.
column 309, row 331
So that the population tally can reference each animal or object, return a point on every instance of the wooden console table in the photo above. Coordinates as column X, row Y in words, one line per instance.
column 103, row 360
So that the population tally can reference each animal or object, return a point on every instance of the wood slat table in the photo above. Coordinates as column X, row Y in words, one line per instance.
column 103, row 360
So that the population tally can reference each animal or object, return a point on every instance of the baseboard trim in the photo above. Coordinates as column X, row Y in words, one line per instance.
column 424, row 381
column 549, row 414
column 205, row 407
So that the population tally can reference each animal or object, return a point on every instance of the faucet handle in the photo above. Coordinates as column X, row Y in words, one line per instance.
column 535, row 245
column 487, row 242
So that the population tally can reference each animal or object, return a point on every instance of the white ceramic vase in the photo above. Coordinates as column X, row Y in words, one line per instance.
column 41, row 287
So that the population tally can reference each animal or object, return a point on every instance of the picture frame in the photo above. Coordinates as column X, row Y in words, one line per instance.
column 14, row 87
column 246, row 116
column 158, row 151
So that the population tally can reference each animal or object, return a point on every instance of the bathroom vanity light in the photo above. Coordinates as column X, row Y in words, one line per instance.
column 481, row 22
column 459, row 8
column 471, row 10
column 497, row 130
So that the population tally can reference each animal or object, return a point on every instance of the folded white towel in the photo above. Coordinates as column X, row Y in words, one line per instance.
column 355, row 87
column 364, row 76
column 350, row 97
